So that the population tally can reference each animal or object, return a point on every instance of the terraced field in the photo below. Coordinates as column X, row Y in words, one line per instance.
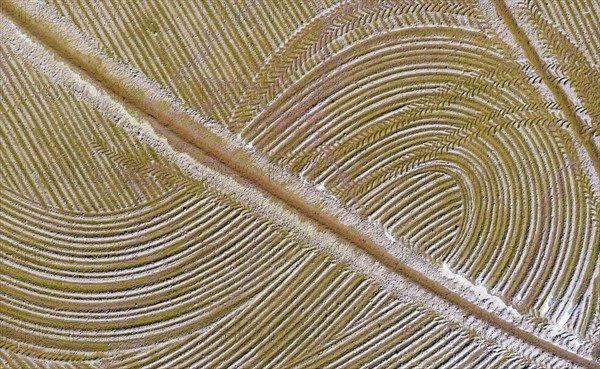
column 306, row 184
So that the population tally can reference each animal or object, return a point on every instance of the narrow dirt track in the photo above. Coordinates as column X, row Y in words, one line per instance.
column 557, row 92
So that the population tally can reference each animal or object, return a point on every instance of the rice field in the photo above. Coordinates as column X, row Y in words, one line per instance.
column 300, row 184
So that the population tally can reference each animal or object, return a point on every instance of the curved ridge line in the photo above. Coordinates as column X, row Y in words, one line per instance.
column 192, row 136
column 558, row 93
